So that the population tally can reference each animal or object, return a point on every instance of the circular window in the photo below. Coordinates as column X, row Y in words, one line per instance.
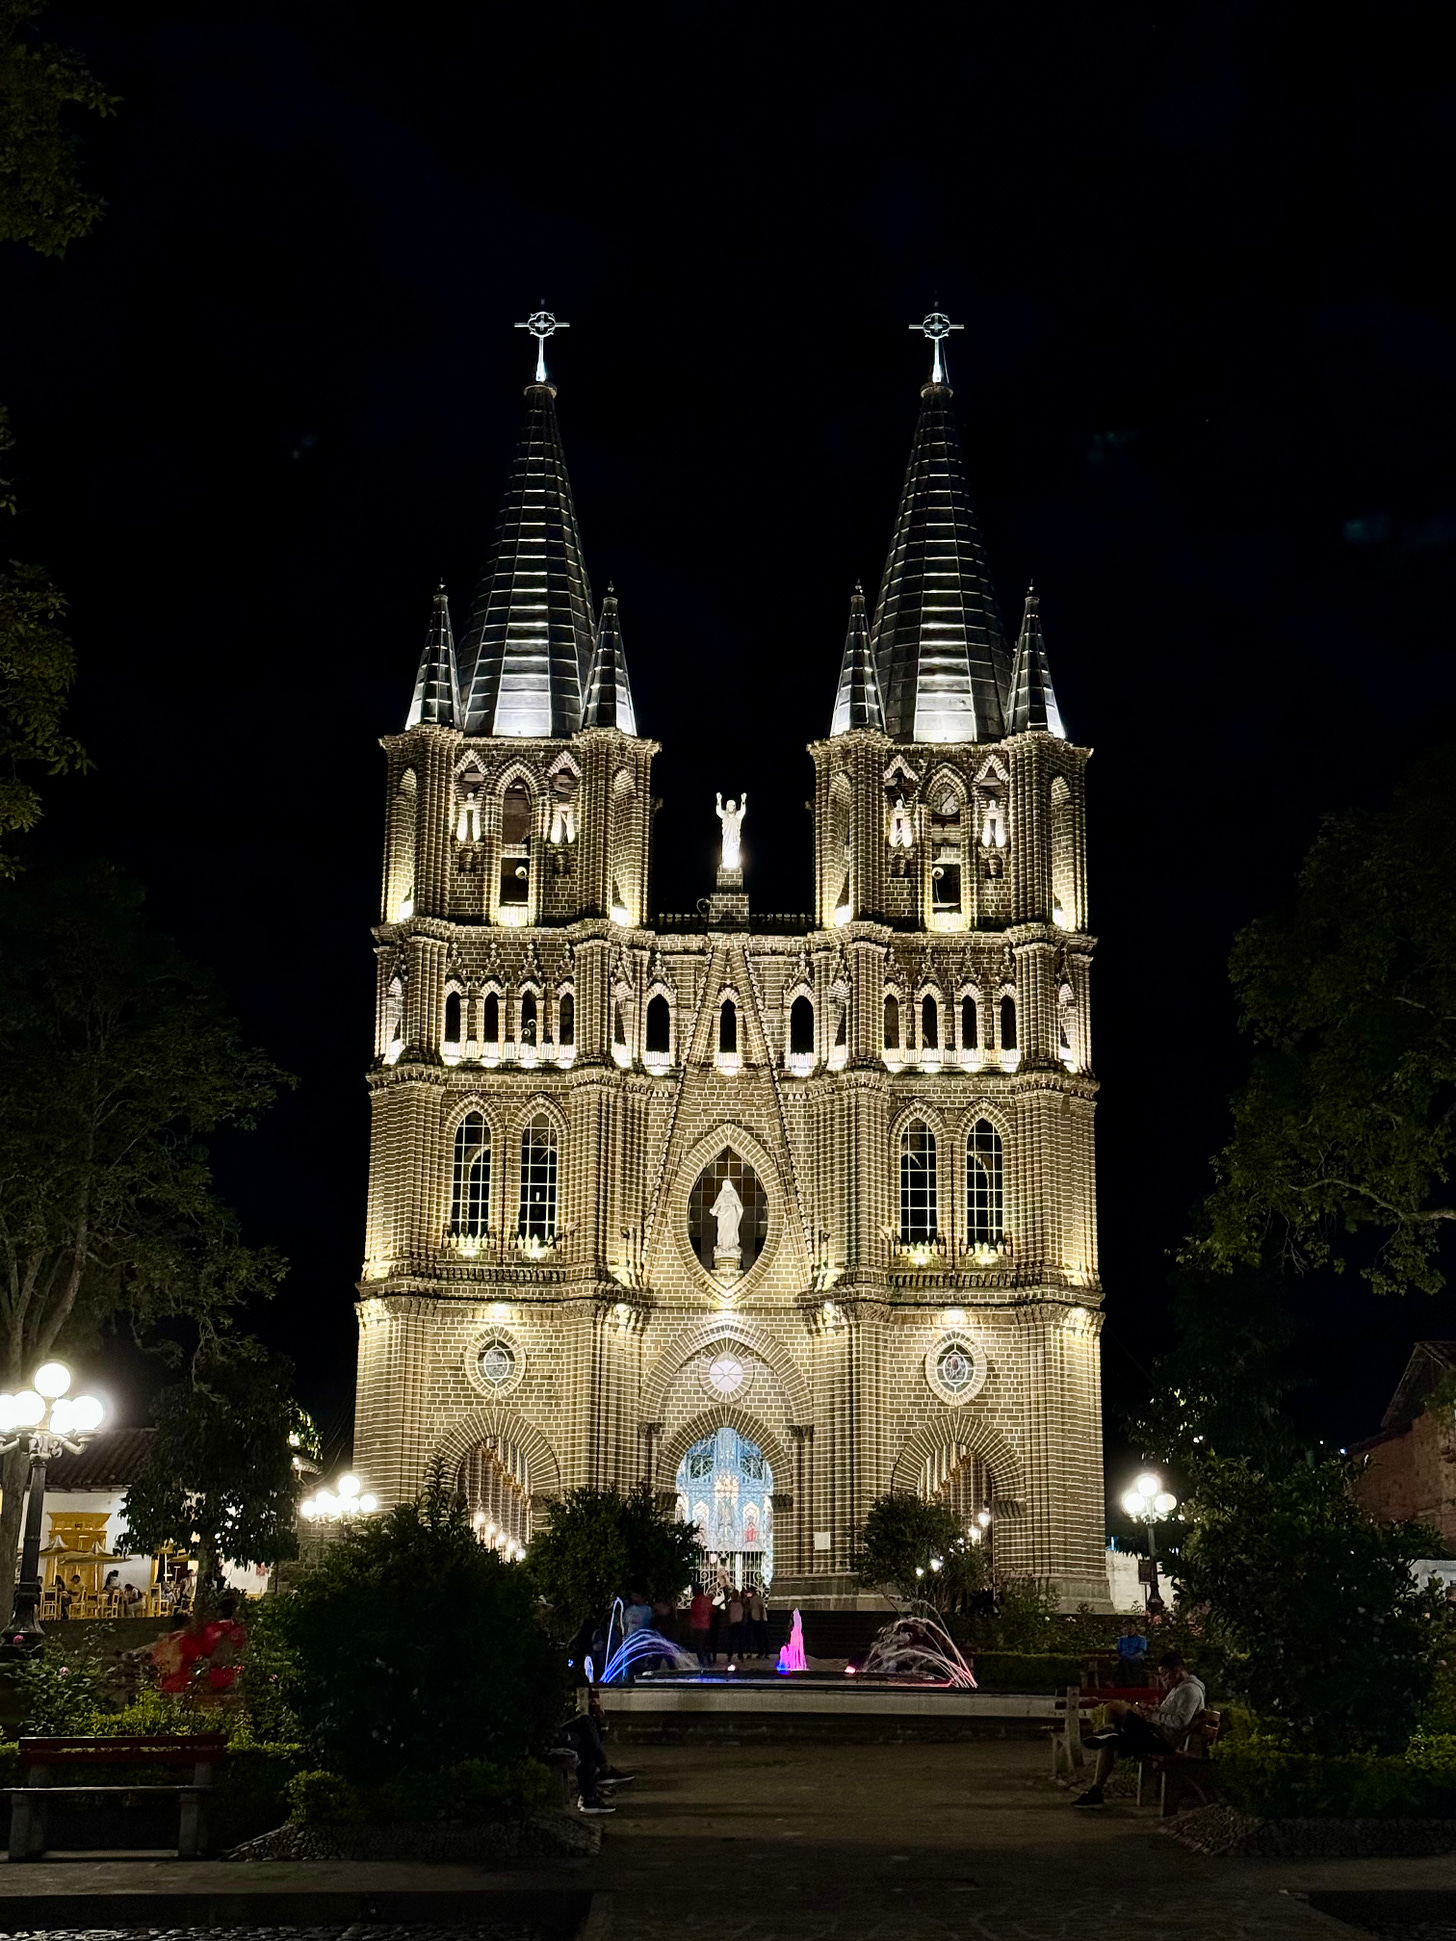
column 955, row 1370
column 494, row 1364
column 726, row 1374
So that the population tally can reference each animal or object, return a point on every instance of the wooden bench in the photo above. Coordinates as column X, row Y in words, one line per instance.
column 1178, row 1772
column 43, row 1761
column 1068, row 1752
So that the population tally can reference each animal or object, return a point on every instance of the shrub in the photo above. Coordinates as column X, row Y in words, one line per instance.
column 411, row 1646
column 1025, row 1671
column 599, row 1543
column 475, row 1790
column 323, row 1799
column 1309, row 1606
column 917, row 1551
column 63, row 1688
column 1272, row 1783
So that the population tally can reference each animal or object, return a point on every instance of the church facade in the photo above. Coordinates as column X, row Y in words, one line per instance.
column 772, row 1216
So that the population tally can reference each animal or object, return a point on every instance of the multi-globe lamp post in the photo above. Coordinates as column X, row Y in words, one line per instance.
column 1148, row 1503
column 339, row 1505
column 43, row 1420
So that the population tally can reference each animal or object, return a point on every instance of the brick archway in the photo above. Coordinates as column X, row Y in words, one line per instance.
column 725, row 1416
column 502, row 1425
column 961, row 1430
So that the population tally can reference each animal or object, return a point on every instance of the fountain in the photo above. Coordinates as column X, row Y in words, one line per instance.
column 917, row 1648
column 792, row 1658
column 636, row 1647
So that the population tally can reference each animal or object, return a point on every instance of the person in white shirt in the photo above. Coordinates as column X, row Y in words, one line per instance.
column 1136, row 1733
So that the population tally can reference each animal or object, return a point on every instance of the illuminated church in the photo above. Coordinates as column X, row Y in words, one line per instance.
column 772, row 1216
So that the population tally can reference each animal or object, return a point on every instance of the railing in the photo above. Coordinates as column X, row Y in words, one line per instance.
column 767, row 923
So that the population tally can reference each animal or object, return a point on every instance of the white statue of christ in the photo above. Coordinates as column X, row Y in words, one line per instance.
column 732, row 821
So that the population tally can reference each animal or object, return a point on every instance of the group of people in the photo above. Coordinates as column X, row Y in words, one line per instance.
column 729, row 1621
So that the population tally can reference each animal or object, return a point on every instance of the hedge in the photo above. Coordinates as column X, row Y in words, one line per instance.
column 1359, row 1786
column 1025, row 1671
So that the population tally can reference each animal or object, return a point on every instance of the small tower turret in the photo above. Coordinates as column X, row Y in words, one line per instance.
column 608, row 691
column 1033, row 698
column 858, row 704
column 437, row 689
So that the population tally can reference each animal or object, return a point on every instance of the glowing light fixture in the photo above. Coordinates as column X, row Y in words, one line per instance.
column 42, row 1421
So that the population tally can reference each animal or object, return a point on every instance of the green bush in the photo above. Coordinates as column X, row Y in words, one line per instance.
column 411, row 1646
column 61, row 1689
column 1274, row 1784
column 1025, row 1671
column 475, row 1790
column 601, row 1543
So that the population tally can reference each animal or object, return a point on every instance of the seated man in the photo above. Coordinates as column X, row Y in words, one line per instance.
column 1136, row 1733
column 595, row 1773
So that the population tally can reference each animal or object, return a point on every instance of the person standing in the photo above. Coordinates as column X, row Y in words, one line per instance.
column 735, row 1623
column 636, row 1614
column 700, row 1623
column 757, row 1623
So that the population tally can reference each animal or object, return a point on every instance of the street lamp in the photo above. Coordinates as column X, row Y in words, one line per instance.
column 1149, row 1503
column 338, row 1506
column 42, row 1420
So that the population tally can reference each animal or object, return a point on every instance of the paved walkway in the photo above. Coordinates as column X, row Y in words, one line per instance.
column 930, row 1843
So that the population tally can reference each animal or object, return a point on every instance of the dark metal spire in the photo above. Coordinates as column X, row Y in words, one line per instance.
column 858, row 704
column 608, row 691
column 1033, row 698
column 437, row 691
column 529, row 642
column 943, row 664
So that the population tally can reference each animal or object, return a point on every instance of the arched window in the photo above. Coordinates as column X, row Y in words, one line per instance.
column 841, row 1030
column 619, row 1023
column 801, row 1025
column 538, row 1180
column 929, row 1024
column 490, row 1019
column 659, row 1025
column 470, row 1181
column 728, row 1026
column 892, row 1024
column 566, row 1019
column 984, row 1219
column 969, row 1029
column 1064, row 866
column 515, row 874
column 1065, row 1001
column 528, row 1018
column 918, row 1215
column 452, row 1018
column 1008, row 1024
column 394, row 1019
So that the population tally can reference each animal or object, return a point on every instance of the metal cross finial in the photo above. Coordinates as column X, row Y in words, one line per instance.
column 541, row 326
column 937, row 327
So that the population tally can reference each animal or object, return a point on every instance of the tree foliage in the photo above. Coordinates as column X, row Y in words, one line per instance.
column 220, row 1467
column 1226, row 1387
column 37, row 668
column 42, row 200
column 602, row 1543
column 117, row 1058
column 1347, row 1120
column 412, row 1646
column 1310, row 1604
column 918, row 1550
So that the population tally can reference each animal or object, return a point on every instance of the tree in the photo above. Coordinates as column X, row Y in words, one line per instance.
column 42, row 201
column 219, row 1473
column 412, row 1646
column 1347, row 1121
column 601, row 1543
column 1310, row 1604
column 918, row 1550
column 1226, row 1386
column 37, row 668
column 117, row 1057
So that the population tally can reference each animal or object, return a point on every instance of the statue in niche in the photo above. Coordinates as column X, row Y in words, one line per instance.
column 993, row 828
column 732, row 821
column 727, row 1210
column 563, row 808
column 902, row 832
column 468, row 828
column 994, row 866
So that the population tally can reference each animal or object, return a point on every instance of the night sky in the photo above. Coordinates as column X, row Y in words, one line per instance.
column 1207, row 398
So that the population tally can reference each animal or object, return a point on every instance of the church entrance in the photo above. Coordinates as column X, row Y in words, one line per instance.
column 725, row 1489
column 496, row 1485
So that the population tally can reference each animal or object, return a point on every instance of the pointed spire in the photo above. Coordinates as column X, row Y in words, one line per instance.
column 858, row 704
column 937, row 636
column 529, row 641
column 1033, row 698
column 437, row 691
column 608, row 691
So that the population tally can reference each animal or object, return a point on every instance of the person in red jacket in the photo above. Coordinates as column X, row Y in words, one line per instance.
column 700, row 1623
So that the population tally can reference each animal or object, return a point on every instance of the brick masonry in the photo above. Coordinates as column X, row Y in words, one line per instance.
column 542, row 953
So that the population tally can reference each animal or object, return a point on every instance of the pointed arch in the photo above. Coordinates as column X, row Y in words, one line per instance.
column 696, row 1337
column 726, row 1415
column 962, row 1429
column 501, row 1425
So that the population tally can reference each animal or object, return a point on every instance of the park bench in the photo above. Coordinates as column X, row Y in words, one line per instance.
column 1068, row 1753
column 564, row 1762
column 1179, row 1772
column 43, row 1762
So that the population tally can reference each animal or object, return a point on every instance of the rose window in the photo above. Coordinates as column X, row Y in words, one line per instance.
column 497, row 1364
column 726, row 1373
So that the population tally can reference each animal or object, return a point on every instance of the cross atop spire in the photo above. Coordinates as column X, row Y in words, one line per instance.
column 542, row 325
column 937, row 327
